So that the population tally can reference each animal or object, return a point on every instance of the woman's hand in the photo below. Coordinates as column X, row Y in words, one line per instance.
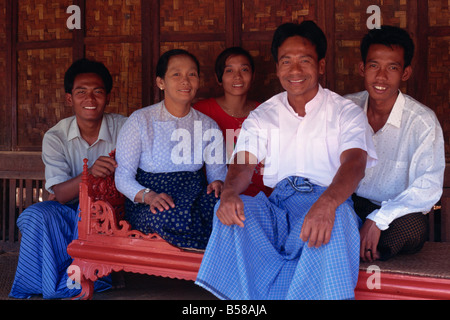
column 216, row 186
column 159, row 201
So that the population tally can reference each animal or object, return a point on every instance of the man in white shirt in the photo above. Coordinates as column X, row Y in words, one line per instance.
column 395, row 195
column 303, row 241
column 48, row 227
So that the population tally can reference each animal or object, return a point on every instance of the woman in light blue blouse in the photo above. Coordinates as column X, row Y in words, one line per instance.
column 163, row 153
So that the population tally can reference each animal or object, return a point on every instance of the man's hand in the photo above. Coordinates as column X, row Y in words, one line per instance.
column 103, row 167
column 318, row 223
column 159, row 201
column 216, row 186
column 231, row 209
column 370, row 236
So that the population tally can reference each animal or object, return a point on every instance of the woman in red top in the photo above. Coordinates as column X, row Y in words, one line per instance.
column 234, row 73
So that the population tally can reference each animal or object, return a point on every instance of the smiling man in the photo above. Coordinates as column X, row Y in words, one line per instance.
column 395, row 195
column 302, row 242
column 48, row 227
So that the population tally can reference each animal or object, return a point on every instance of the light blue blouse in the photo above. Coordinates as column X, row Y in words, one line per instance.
column 156, row 141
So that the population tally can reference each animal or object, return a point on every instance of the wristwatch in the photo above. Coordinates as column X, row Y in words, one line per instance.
column 147, row 190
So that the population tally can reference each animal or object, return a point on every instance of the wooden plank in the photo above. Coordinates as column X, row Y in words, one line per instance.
column 11, row 64
column 234, row 23
column 330, row 32
column 447, row 176
column 21, row 164
column 91, row 41
column 422, row 52
column 155, row 9
column 79, row 35
column 33, row 45
column 194, row 37
column 12, row 210
column 19, row 196
column 445, row 215
column 29, row 192
column 3, row 210
column 413, row 29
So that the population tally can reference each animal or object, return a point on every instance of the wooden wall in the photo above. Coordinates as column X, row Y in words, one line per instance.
column 36, row 48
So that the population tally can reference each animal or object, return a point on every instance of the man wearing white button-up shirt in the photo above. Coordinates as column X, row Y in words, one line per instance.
column 395, row 195
column 303, row 241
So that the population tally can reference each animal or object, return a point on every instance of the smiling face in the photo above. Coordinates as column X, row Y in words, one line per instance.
column 181, row 81
column 88, row 98
column 383, row 72
column 298, row 68
column 237, row 76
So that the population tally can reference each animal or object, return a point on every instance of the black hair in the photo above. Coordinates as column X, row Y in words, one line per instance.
column 87, row 66
column 389, row 36
column 307, row 29
column 222, row 59
column 163, row 61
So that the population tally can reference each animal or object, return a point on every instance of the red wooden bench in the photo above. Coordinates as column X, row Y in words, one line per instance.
column 106, row 243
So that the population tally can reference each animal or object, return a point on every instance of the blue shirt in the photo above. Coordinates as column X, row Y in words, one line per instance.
column 63, row 148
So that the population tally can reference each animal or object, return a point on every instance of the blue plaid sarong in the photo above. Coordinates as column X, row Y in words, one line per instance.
column 267, row 259
column 47, row 229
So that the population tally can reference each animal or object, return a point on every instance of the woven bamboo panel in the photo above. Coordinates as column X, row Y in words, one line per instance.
column 351, row 16
column 266, row 81
column 41, row 92
column 439, row 83
column 113, row 18
column 43, row 20
column 192, row 16
column 439, row 13
column 347, row 78
column 206, row 53
column 124, row 62
column 267, row 15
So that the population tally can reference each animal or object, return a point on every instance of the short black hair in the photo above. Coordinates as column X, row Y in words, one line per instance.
column 307, row 29
column 87, row 66
column 231, row 52
column 163, row 61
column 389, row 36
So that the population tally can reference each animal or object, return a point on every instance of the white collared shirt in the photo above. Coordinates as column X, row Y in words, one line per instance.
column 63, row 148
column 411, row 161
column 308, row 146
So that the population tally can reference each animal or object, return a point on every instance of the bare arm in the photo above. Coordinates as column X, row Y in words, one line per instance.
column 69, row 190
column 231, row 208
column 319, row 221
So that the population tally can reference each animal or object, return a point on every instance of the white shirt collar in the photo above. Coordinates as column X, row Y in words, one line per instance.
column 314, row 103
column 104, row 134
column 395, row 117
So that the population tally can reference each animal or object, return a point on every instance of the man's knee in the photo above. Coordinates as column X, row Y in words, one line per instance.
column 40, row 213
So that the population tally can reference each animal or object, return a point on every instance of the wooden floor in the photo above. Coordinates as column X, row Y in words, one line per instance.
column 424, row 275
